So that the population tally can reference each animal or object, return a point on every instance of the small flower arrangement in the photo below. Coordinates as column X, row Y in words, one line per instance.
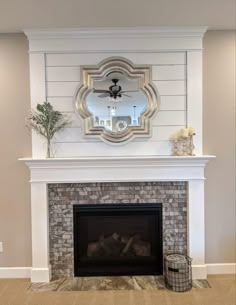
column 46, row 121
column 183, row 142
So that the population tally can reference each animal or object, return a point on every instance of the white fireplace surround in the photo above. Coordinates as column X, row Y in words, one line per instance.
column 175, row 55
column 116, row 169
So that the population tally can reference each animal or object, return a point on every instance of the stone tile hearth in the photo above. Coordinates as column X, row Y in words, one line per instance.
column 109, row 283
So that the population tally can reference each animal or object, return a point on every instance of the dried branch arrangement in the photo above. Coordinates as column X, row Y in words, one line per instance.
column 47, row 122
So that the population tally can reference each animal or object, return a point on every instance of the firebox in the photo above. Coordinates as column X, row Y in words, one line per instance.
column 117, row 239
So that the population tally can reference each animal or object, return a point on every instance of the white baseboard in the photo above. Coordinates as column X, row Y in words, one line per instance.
column 15, row 272
column 44, row 274
column 221, row 268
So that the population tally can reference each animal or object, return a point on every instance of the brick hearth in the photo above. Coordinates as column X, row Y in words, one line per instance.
column 172, row 195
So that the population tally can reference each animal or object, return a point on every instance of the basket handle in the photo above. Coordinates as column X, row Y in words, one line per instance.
column 173, row 269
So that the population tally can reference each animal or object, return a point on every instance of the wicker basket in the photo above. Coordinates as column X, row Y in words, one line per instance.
column 178, row 272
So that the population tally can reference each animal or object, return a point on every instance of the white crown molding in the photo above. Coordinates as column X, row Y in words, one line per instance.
column 118, row 39
column 140, row 32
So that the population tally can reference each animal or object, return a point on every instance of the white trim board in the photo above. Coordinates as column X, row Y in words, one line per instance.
column 112, row 39
column 15, row 272
column 186, row 31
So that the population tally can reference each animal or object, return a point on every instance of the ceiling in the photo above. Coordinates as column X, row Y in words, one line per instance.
column 16, row 15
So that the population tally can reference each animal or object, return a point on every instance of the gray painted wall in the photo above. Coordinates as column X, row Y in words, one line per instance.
column 219, row 139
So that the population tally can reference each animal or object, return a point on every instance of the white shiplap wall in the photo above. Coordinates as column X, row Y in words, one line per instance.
column 169, row 76
column 175, row 57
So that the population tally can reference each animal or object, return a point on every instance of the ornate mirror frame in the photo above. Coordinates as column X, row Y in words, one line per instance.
column 142, row 73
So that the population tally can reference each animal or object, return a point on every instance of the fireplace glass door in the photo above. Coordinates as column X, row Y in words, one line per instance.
column 117, row 239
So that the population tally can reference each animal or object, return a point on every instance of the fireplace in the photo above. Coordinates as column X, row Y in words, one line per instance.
column 176, row 182
column 79, row 161
column 117, row 239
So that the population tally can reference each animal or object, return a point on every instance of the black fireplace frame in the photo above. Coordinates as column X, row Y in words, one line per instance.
column 119, row 209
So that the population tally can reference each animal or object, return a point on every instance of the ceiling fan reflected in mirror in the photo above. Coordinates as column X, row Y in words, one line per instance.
column 114, row 92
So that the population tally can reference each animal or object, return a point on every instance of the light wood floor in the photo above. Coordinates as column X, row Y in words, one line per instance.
column 15, row 292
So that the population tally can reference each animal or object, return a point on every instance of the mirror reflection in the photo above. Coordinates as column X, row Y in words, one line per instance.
column 116, row 102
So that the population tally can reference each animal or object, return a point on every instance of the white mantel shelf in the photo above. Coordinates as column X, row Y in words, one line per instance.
column 125, row 168
column 107, row 159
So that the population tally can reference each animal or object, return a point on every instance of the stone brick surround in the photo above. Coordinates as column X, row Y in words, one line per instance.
column 172, row 195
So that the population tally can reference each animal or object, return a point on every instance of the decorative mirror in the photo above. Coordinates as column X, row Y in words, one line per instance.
column 117, row 100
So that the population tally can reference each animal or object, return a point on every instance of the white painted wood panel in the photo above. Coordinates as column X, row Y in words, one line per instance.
column 194, row 89
column 37, row 79
column 75, row 120
column 37, row 92
column 67, row 89
column 97, row 149
column 169, row 72
column 163, row 133
column 173, row 102
column 63, row 104
column 170, row 118
column 63, row 74
column 152, row 58
column 70, row 135
column 171, row 87
column 159, row 72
